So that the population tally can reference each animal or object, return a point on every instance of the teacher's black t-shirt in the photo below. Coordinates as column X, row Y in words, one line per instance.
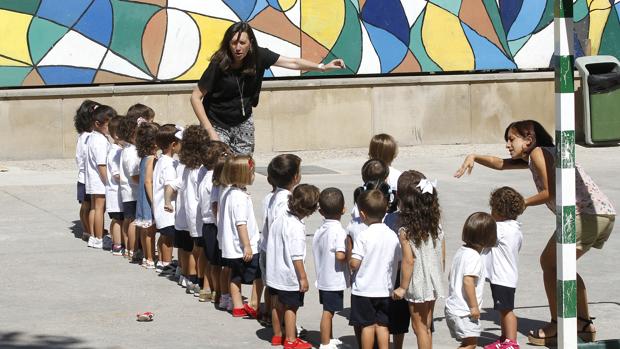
column 225, row 90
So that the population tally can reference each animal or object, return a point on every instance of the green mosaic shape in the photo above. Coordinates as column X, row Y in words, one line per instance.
column 580, row 10
column 564, row 80
column 23, row 6
column 565, row 149
column 416, row 45
column 516, row 45
column 565, row 225
column 356, row 4
column 547, row 16
column 610, row 40
column 347, row 45
column 453, row 6
column 567, row 298
column 496, row 19
column 563, row 8
column 42, row 36
column 13, row 76
column 130, row 20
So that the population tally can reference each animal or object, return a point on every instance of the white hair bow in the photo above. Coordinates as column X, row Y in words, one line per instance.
column 427, row 186
column 141, row 120
column 179, row 133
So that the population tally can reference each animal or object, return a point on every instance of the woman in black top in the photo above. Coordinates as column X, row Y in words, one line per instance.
column 230, row 86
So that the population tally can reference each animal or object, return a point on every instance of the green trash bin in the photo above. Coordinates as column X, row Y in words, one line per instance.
column 600, row 80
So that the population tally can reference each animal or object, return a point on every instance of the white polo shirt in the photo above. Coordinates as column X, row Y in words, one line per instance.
column 164, row 173
column 96, row 154
column 205, row 188
column 287, row 243
column 379, row 251
column 235, row 208
column 130, row 166
column 190, row 200
column 466, row 262
column 80, row 156
column 330, row 238
column 502, row 261
column 113, row 200
column 278, row 205
column 392, row 179
column 180, row 217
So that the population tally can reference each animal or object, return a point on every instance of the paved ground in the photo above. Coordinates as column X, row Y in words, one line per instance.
column 56, row 293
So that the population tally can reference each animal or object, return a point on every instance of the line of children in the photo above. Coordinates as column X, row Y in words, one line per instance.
column 201, row 205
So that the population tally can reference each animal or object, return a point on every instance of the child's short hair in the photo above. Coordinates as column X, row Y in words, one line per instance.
column 383, row 147
column 166, row 136
column 83, row 119
column 283, row 168
column 215, row 151
column 138, row 110
column 238, row 170
column 127, row 129
column 507, row 203
column 304, row 200
column 480, row 230
column 103, row 114
column 113, row 126
column 194, row 146
column 374, row 170
column 331, row 202
column 145, row 138
column 373, row 203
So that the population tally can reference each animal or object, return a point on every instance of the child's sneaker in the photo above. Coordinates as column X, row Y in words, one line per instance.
column 98, row 243
column 148, row 264
column 224, row 302
column 328, row 346
column 277, row 340
column 204, row 296
column 117, row 250
column 91, row 241
column 297, row 344
column 182, row 281
column 335, row 341
column 238, row 312
column 509, row 344
column 197, row 290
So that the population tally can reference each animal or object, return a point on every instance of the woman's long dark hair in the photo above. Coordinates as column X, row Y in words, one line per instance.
column 419, row 212
column 224, row 56
column 531, row 128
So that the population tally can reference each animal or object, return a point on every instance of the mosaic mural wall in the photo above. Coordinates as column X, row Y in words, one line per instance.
column 76, row 42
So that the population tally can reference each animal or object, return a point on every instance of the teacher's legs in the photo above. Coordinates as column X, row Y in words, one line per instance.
column 240, row 138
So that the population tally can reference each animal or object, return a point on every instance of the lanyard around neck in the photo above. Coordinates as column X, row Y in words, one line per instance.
column 240, row 87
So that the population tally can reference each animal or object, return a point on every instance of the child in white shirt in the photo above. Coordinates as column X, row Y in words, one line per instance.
column 96, row 171
column 164, row 174
column 374, row 260
column 286, row 252
column 113, row 200
column 502, row 261
column 384, row 147
column 329, row 249
column 239, row 234
column 466, row 280
column 129, row 176
column 83, row 122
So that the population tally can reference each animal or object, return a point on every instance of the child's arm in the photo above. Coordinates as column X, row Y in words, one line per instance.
column 103, row 173
column 214, row 209
column 543, row 165
column 469, row 288
column 354, row 264
column 301, row 275
column 406, row 266
column 168, row 194
column 443, row 255
column 148, row 179
column 349, row 248
column 242, row 229
column 489, row 161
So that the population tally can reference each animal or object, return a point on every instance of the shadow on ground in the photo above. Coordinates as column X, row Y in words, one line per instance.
column 21, row 340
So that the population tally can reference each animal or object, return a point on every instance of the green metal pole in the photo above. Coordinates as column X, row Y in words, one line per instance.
column 565, row 175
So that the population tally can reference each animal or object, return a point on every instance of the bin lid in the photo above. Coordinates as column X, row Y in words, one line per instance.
column 602, row 83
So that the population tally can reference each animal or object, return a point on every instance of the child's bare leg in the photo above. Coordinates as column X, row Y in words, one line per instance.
column 326, row 327
column 191, row 264
column 383, row 336
column 131, row 235
column 208, row 276
column 368, row 336
column 290, row 323
column 84, row 213
column 225, row 280
column 167, row 246
column 235, row 294
column 200, row 261
column 216, row 270
column 115, row 230
column 184, row 261
column 508, row 323
column 276, row 314
column 257, row 292
column 149, row 243
column 399, row 340
column 421, row 323
column 98, row 210
column 469, row 343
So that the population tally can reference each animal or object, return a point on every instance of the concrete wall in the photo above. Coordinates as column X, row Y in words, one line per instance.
column 305, row 114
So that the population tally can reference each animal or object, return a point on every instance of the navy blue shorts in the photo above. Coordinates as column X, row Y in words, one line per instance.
column 168, row 231
column 332, row 300
column 503, row 297
column 183, row 240
column 399, row 313
column 211, row 245
column 129, row 209
column 81, row 193
column 119, row 216
column 244, row 272
column 367, row 311
column 293, row 299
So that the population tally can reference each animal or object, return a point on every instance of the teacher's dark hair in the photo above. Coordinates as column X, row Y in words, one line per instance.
column 224, row 56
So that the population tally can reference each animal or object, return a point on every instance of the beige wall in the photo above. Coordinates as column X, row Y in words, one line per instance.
column 305, row 114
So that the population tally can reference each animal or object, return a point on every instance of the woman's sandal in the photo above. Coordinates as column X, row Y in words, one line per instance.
column 534, row 337
column 584, row 334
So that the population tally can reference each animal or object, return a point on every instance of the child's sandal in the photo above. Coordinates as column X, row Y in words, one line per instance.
column 584, row 334
column 535, row 338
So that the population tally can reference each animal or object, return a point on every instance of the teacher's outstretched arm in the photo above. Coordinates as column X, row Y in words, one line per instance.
column 201, row 114
column 304, row 64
